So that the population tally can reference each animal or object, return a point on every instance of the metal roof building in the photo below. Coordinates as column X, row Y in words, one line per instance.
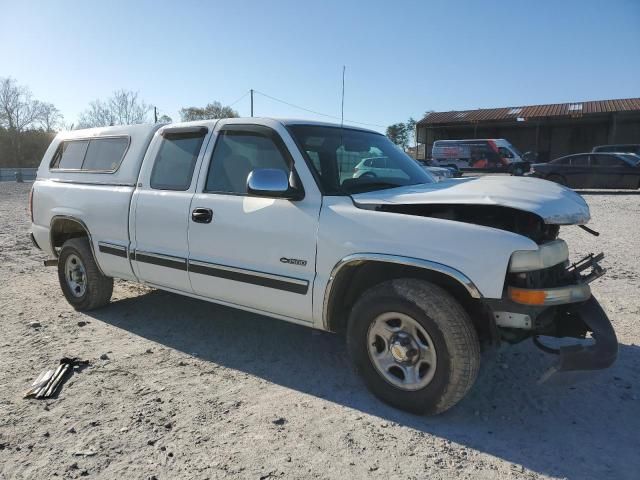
column 550, row 130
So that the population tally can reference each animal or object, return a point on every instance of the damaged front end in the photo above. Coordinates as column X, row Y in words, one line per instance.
column 545, row 296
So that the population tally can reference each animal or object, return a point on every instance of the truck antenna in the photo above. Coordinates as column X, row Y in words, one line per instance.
column 342, row 105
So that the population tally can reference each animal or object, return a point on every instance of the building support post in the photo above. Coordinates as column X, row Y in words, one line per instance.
column 612, row 129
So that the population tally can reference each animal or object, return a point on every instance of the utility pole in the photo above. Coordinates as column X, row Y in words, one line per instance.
column 252, row 102
column 155, row 115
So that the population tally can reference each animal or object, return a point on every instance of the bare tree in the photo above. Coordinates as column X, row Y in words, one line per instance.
column 97, row 115
column 127, row 108
column 18, row 111
column 50, row 117
column 123, row 108
column 212, row 110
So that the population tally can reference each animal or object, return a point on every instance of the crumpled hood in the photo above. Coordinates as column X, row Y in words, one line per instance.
column 554, row 203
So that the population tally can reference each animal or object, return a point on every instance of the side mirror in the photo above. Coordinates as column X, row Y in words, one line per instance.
column 272, row 182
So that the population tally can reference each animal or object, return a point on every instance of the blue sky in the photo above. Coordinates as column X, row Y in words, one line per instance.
column 402, row 57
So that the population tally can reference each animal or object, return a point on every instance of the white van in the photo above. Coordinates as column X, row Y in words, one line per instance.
column 488, row 155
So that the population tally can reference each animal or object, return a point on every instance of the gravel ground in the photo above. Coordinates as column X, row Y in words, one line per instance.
column 180, row 388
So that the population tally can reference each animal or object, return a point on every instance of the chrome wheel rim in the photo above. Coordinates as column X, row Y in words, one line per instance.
column 401, row 351
column 75, row 275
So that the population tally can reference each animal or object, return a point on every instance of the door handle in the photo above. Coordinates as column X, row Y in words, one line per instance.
column 202, row 215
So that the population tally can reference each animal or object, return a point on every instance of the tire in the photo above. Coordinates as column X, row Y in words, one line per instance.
column 554, row 177
column 451, row 334
column 82, row 283
column 517, row 172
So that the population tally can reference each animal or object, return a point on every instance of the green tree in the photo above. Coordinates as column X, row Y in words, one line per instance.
column 411, row 131
column 397, row 133
column 212, row 110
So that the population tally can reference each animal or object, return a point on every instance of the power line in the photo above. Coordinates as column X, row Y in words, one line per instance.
column 315, row 112
column 243, row 95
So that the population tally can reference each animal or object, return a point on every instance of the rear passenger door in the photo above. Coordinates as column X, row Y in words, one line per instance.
column 579, row 173
column 161, row 215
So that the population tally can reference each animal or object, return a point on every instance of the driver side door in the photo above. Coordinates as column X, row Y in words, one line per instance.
column 253, row 251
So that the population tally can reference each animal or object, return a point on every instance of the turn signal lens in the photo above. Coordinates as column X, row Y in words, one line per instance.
column 527, row 297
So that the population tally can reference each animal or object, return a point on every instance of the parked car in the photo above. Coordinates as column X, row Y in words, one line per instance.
column 622, row 148
column 380, row 166
column 480, row 155
column 592, row 170
column 263, row 215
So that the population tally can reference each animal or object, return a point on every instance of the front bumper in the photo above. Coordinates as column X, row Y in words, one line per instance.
column 562, row 311
column 602, row 353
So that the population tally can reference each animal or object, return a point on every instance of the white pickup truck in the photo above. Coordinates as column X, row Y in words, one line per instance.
column 266, row 215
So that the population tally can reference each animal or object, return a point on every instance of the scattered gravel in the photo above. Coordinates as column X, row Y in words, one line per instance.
column 267, row 399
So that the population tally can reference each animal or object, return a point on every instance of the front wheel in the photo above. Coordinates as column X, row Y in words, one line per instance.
column 414, row 345
column 83, row 284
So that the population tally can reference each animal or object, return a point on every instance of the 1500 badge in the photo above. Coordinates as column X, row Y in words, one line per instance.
column 293, row 261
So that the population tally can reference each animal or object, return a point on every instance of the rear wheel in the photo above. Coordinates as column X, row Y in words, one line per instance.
column 414, row 345
column 82, row 283
column 554, row 177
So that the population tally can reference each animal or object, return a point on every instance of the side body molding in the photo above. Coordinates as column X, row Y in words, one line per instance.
column 357, row 258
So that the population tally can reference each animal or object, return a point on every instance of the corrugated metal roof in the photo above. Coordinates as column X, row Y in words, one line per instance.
column 533, row 111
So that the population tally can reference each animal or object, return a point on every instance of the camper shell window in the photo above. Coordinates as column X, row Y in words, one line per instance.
column 95, row 155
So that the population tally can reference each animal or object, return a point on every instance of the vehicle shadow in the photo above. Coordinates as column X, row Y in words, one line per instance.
column 586, row 430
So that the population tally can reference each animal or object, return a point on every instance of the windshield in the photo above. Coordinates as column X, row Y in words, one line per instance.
column 514, row 150
column 351, row 161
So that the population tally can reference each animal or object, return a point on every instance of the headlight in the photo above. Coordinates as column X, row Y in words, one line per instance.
column 546, row 256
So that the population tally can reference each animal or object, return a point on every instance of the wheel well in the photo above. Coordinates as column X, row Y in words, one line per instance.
column 63, row 229
column 353, row 280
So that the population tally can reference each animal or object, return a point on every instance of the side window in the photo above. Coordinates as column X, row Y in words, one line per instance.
column 105, row 154
column 176, row 159
column 379, row 162
column 70, row 155
column 94, row 155
column 580, row 161
column 606, row 161
column 505, row 152
column 237, row 153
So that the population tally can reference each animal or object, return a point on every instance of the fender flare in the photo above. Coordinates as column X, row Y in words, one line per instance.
column 359, row 258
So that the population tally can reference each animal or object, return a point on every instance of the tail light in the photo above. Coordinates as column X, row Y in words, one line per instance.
column 31, row 203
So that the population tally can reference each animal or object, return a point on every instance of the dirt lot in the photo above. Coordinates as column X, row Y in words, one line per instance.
column 188, row 389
